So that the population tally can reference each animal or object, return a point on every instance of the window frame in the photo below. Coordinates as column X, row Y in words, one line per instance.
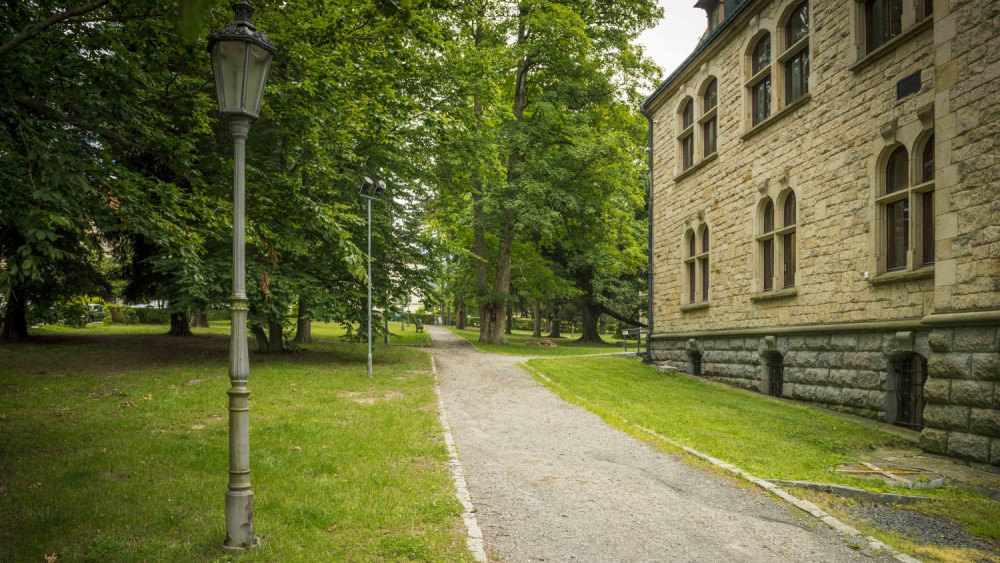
column 760, row 85
column 909, row 198
column 696, row 274
column 685, row 140
column 796, row 52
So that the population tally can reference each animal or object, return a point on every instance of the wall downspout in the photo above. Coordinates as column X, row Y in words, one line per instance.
column 649, row 248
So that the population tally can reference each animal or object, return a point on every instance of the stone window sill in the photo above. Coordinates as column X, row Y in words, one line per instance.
column 772, row 295
column 923, row 273
column 891, row 45
column 696, row 167
column 777, row 116
column 695, row 306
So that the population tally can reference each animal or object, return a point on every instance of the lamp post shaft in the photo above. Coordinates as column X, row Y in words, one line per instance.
column 239, row 498
column 369, row 287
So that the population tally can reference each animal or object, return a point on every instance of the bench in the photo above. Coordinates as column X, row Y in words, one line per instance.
column 638, row 334
column 419, row 325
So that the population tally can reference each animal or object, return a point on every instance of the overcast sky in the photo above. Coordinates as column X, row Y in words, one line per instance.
column 676, row 36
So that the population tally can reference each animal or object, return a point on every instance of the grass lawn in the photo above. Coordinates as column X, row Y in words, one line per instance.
column 517, row 344
column 770, row 438
column 113, row 447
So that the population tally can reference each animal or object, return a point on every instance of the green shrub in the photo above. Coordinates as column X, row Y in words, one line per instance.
column 152, row 316
column 72, row 312
column 120, row 315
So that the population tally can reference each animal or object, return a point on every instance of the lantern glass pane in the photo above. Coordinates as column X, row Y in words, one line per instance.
column 217, row 70
column 232, row 58
column 260, row 60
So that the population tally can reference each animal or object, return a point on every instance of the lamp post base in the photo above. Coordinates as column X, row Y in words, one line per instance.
column 239, row 522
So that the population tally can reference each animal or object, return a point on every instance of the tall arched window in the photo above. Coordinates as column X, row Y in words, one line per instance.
column 703, row 263
column 766, row 242
column 797, row 63
column 687, row 135
column 927, row 202
column 690, row 265
column 788, row 240
column 897, row 210
column 760, row 87
column 710, row 121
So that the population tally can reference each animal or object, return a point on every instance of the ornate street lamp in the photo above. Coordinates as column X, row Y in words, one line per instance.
column 370, row 190
column 241, row 58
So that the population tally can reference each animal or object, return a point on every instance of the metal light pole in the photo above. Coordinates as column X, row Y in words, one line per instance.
column 370, row 190
column 241, row 59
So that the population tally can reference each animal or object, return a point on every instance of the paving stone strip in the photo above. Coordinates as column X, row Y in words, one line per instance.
column 552, row 482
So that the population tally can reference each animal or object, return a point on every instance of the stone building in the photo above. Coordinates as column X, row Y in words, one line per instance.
column 826, row 210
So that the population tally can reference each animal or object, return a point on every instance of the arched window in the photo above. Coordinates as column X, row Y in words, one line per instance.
column 766, row 243
column 788, row 241
column 883, row 21
column 703, row 263
column 760, row 88
column 710, row 122
column 687, row 135
column 897, row 211
column 775, row 374
column 690, row 265
column 910, row 374
column 927, row 202
column 797, row 63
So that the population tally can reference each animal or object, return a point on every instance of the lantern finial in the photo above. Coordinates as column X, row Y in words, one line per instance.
column 244, row 14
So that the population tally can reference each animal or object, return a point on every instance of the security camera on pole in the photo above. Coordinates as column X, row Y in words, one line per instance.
column 370, row 190
column 241, row 59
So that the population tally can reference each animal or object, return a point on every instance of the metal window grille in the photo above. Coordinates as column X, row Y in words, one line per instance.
column 775, row 375
column 911, row 374
column 696, row 363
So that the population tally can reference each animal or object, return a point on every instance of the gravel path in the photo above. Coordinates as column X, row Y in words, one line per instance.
column 553, row 482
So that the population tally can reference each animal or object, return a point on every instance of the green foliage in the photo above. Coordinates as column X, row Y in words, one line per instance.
column 72, row 312
column 152, row 315
column 119, row 315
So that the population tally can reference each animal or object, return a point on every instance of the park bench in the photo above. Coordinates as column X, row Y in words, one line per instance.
column 419, row 325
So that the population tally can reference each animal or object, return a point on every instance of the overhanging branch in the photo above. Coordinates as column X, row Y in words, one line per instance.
column 33, row 30
column 56, row 115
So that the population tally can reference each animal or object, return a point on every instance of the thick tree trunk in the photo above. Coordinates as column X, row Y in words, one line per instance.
column 179, row 325
column 303, row 326
column 276, row 341
column 554, row 328
column 602, row 327
column 261, row 337
column 536, row 315
column 200, row 319
column 15, row 325
column 591, row 311
column 463, row 317
column 510, row 321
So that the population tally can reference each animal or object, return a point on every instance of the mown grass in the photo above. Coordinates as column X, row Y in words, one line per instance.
column 767, row 437
column 113, row 447
column 517, row 345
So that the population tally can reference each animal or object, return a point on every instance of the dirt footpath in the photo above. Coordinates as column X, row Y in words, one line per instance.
column 553, row 482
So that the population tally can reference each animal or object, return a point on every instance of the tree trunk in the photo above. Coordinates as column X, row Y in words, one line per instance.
column 386, row 330
column 462, row 319
column 15, row 326
column 200, row 319
column 591, row 311
column 554, row 329
column 536, row 315
column 179, row 325
column 303, row 326
column 261, row 337
column 603, row 325
column 510, row 321
column 276, row 341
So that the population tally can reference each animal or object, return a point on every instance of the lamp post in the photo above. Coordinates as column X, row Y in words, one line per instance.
column 370, row 190
column 241, row 58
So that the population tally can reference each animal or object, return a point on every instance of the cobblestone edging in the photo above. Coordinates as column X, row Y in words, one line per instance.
column 801, row 504
column 474, row 541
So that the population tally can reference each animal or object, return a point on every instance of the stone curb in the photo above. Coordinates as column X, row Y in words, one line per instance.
column 475, row 534
column 801, row 504
column 852, row 492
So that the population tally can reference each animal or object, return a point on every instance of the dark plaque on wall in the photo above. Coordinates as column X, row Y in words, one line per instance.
column 908, row 85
